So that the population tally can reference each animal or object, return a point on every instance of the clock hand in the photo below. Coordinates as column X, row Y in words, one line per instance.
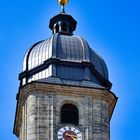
column 74, row 136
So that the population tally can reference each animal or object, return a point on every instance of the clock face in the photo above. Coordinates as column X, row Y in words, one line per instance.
column 69, row 133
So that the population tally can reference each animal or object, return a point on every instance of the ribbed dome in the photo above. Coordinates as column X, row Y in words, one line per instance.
column 64, row 58
column 64, row 47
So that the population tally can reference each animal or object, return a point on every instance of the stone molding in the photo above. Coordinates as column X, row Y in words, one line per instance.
column 74, row 91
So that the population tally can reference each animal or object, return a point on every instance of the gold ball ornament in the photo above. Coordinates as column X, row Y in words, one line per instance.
column 63, row 2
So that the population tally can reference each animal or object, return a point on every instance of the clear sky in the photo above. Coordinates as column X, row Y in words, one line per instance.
column 112, row 28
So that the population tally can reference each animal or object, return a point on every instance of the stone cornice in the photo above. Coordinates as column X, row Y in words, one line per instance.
column 41, row 88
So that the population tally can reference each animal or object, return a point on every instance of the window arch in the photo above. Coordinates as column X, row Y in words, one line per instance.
column 64, row 26
column 57, row 28
column 70, row 29
column 69, row 114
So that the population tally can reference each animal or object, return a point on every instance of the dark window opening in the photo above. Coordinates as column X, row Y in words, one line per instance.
column 69, row 114
column 57, row 28
column 70, row 30
column 64, row 27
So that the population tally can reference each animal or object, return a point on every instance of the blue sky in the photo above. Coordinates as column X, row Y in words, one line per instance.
column 112, row 28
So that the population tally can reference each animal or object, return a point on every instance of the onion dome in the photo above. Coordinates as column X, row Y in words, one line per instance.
column 64, row 58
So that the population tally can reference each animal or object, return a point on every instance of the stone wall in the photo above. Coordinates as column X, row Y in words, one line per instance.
column 41, row 112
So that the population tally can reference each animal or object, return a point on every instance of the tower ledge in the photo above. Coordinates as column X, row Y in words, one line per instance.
column 39, row 88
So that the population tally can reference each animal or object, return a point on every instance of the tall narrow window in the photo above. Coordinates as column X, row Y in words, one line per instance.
column 64, row 27
column 57, row 28
column 69, row 114
column 70, row 30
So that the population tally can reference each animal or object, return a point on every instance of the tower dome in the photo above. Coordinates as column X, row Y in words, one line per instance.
column 64, row 88
column 64, row 58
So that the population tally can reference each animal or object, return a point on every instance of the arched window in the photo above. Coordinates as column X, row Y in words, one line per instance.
column 57, row 28
column 64, row 27
column 69, row 114
column 70, row 30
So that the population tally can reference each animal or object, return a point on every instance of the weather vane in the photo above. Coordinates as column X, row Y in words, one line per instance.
column 62, row 3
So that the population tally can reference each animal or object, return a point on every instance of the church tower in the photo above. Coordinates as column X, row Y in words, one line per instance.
column 64, row 92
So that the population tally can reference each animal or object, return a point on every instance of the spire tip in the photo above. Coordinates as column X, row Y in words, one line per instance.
column 62, row 3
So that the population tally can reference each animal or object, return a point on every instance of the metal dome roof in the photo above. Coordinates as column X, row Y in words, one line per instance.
column 64, row 47
column 64, row 58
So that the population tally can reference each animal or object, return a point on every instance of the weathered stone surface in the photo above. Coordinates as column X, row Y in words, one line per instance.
column 41, row 106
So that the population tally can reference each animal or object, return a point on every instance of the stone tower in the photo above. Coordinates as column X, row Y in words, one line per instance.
column 64, row 91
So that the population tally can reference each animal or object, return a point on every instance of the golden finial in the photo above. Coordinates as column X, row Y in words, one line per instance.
column 62, row 3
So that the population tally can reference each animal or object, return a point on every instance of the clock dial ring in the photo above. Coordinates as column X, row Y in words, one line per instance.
column 69, row 133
